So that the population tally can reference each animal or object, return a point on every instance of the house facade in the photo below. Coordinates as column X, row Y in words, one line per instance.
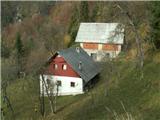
column 68, row 72
column 101, row 40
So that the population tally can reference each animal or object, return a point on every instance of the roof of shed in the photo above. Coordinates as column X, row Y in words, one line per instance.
column 101, row 33
column 89, row 68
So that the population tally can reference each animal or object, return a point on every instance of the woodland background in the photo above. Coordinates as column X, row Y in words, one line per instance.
column 32, row 31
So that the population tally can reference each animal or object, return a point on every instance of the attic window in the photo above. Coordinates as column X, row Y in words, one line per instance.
column 55, row 66
column 64, row 67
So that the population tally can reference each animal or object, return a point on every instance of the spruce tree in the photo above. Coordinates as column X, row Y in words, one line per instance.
column 19, row 53
column 155, row 24
column 84, row 11
column 74, row 25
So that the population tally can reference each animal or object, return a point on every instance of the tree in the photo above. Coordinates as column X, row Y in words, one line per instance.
column 6, row 99
column 94, row 13
column 19, row 53
column 74, row 24
column 138, row 39
column 155, row 24
column 84, row 11
column 5, row 52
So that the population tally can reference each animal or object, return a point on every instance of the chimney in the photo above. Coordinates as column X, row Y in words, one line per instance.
column 77, row 49
column 80, row 65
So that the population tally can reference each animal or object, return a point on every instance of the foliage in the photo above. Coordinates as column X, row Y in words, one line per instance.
column 9, row 69
column 74, row 25
column 155, row 24
column 5, row 51
column 12, row 9
column 8, row 12
column 19, row 48
column 67, row 40
column 94, row 13
column 84, row 11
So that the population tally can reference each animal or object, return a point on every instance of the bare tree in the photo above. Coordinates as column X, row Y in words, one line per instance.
column 41, row 98
column 48, row 94
column 52, row 89
column 55, row 97
column 6, row 99
column 137, row 37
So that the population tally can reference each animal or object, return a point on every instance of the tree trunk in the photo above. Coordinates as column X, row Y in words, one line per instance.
column 49, row 97
column 42, row 103
column 138, row 39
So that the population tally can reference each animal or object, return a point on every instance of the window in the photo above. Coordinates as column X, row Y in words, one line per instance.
column 48, row 82
column 107, row 55
column 55, row 66
column 59, row 83
column 94, row 56
column 72, row 84
column 64, row 67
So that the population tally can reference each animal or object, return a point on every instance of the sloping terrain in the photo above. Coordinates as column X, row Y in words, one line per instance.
column 118, row 94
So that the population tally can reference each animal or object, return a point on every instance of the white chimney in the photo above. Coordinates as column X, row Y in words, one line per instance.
column 80, row 65
column 77, row 49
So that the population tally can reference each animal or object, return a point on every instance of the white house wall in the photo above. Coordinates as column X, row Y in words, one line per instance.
column 65, row 88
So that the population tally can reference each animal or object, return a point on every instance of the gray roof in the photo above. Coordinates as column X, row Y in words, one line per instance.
column 101, row 33
column 89, row 68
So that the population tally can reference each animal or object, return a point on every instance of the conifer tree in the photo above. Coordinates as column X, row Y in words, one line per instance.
column 155, row 24
column 84, row 11
column 74, row 25
column 19, row 53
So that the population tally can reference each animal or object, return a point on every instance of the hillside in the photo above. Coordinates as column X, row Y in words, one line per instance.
column 127, row 96
column 33, row 31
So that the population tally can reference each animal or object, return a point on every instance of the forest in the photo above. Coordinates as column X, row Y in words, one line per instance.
column 31, row 32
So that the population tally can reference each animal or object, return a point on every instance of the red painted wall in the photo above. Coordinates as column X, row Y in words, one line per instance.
column 59, row 71
column 90, row 45
column 109, row 47
column 112, row 47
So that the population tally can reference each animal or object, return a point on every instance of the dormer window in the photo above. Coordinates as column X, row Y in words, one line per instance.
column 64, row 67
column 55, row 66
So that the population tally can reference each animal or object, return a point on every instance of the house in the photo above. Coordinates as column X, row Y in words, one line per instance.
column 70, row 70
column 101, row 40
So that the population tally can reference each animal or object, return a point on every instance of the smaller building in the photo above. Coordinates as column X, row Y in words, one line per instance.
column 69, row 71
column 101, row 40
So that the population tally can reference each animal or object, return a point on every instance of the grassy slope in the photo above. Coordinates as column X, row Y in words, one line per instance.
column 141, row 98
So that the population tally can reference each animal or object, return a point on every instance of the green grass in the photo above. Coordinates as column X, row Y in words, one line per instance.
column 127, row 94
